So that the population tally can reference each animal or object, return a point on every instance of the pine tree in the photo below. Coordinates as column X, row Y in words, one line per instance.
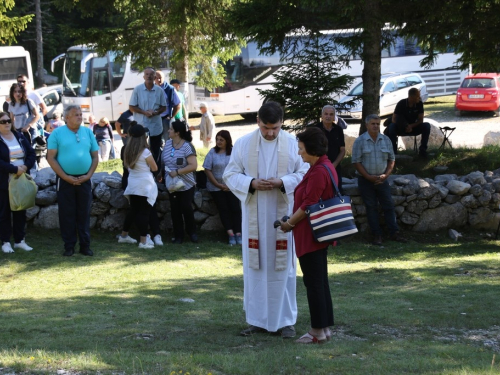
column 10, row 27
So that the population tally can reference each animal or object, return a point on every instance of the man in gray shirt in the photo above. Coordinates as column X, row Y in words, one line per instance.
column 373, row 158
column 147, row 103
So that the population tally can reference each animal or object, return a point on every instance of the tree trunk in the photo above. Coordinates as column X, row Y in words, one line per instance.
column 372, row 52
column 39, row 44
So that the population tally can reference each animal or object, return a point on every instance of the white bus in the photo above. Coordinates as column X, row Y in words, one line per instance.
column 100, row 85
column 14, row 60
column 252, row 70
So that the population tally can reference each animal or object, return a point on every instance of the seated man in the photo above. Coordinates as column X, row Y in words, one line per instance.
column 408, row 120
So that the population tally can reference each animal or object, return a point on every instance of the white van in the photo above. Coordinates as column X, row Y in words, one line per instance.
column 393, row 88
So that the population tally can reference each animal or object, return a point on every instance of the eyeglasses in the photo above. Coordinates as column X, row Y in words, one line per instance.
column 21, row 81
column 5, row 122
column 77, row 138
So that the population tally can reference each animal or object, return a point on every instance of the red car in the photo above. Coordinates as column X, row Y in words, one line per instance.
column 479, row 92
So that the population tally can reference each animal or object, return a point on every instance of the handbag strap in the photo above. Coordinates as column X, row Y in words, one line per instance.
column 337, row 191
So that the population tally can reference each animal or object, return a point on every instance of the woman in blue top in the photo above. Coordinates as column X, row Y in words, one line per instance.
column 179, row 159
column 228, row 205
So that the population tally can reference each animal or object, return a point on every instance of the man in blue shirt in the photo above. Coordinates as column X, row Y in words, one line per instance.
column 72, row 152
column 173, row 102
column 373, row 158
column 147, row 103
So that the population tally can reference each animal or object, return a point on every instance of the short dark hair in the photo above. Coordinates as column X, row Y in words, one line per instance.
column 270, row 113
column 175, row 81
column 314, row 140
column 413, row 91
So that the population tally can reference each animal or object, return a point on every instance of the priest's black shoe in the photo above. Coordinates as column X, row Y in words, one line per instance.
column 68, row 252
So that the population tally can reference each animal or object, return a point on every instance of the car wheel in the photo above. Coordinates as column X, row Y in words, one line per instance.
column 497, row 112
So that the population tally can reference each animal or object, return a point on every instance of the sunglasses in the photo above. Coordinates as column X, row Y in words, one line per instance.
column 77, row 138
column 5, row 122
column 21, row 81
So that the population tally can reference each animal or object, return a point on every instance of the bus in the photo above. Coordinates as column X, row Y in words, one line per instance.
column 252, row 70
column 100, row 85
column 14, row 60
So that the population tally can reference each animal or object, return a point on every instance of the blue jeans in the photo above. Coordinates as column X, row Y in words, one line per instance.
column 373, row 194
column 424, row 129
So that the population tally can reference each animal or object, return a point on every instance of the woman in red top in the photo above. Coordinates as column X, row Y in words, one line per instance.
column 313, row 255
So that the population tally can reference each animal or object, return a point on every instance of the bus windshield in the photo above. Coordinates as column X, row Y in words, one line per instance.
column 11, row 67
column 76, row 83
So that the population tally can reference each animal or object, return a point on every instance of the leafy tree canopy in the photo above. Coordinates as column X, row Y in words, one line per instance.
column 10, row 27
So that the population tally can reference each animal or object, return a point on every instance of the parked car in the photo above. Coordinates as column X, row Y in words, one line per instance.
column 52, row 95
column 479, row 92
column 393, row 88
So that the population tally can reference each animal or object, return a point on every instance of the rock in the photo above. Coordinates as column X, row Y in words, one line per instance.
column 200, row 217
column 209, row 207
column 357, row 200
column 496, row 185
column 480, row 216
column 399, row 210
column 48, row 217
column 401, row 181
column 351, row 189
column 490, row 224
column 428, row 192
column 417, row 206
column 403, row 159
column 212, row 223
column 163, row 206
column 117, row 199
column 398, row 199
column 113, row 182
column 93, row 222
column 114, row 221
column 450, row 198
column 45, row 177
column 469, row 201
column 396, row 190
column 476, row 190
column 162, row 196
column 458, row 187
column 435, row 201
column 422, row 184
column 412, row 188
column 491, row 138
column 198, row 199
column 476, row 178
column 445, row 177
column 32, row 212
column 360, row 209
column 454, row 215
column 412, row 197
column 495, row 200
column 102, row 192
column 45, row 197
column 435, row 137
column 99, row 177
column 98, row 208
column 409, row 218
column 489, row 187
column 443, row 192
column 485, row 198
column 166, row 223
column 454, row 235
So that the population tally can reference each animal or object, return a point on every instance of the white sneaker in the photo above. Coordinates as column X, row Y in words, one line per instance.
column 149, row 240
column 22, row 245
column 127, row 239
column 7, row 248
column 157, row 240
column 146, row 245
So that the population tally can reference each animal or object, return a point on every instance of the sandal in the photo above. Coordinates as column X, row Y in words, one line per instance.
column 310, row 339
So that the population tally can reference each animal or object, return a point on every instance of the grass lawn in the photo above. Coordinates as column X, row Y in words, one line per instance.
column 430, row 306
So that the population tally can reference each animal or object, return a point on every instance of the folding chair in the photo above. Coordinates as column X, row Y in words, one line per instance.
column 447, row 131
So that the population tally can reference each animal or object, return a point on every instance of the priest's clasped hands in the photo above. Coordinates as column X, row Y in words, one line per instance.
column 267, row 184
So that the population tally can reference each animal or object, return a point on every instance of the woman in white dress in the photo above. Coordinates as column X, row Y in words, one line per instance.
column 141, row 190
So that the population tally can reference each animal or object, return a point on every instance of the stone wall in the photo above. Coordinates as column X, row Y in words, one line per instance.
column 447, row 201
column 109, row 206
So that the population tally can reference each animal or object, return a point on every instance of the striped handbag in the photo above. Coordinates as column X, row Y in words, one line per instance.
column 331, row 219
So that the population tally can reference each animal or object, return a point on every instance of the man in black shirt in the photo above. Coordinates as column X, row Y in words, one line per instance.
column 332, row 127
column 408, row 120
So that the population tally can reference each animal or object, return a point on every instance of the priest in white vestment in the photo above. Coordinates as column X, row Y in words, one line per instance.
column 263, row 172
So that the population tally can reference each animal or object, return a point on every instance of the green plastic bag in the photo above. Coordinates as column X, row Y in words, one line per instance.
column 22, row 192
